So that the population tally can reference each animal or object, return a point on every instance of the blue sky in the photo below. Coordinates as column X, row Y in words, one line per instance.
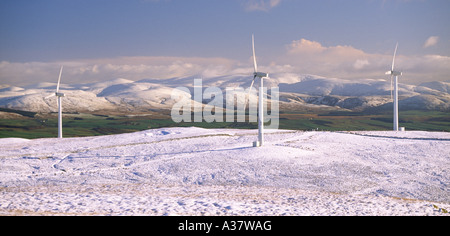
column 215, row 34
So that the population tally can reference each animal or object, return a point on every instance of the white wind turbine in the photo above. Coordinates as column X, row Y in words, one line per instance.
column 59, row 96
column 260, row 75
column 394, row 74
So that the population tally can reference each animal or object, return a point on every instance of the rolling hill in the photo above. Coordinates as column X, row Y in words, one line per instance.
column 194, row 171
column 296, row 93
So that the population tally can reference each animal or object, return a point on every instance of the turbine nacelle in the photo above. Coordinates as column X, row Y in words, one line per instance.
column 60, row 94
column 394, row 73
column 260, row 75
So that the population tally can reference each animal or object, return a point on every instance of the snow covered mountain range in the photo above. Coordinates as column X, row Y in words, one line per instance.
column 297, row 92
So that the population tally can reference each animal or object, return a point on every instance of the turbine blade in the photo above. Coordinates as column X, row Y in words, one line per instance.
column 391, row 86
column 250, row 89
column 49, row 96
column 59, row 79
column 255, row 66
column 251, row 86
column 393, row 60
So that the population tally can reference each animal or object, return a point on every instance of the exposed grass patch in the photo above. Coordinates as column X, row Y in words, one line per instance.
column 79, row 125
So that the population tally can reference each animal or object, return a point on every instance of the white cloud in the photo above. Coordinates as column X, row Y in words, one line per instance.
column 431, row 41
column 314, row 58
column 359, row 64
column 301, row 56
column 305, row 46
column 260, row 5
column 133, row 68
column 311, row 57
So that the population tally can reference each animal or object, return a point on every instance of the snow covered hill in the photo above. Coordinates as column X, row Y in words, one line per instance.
column 193, row 171
column 296, row 91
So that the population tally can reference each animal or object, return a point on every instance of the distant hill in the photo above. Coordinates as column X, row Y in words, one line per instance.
column 297, row 92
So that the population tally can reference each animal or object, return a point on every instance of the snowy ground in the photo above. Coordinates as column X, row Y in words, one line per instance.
column 193, row 171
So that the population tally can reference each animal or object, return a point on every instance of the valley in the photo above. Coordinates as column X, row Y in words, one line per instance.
column 83, row 124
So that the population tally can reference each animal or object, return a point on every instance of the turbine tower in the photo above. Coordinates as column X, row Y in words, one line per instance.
column 59, row 95
column 259, row 75
column 394, row 74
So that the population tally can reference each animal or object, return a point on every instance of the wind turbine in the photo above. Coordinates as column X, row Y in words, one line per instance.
column 260, row 75
column 59, row 96
column 394, row 74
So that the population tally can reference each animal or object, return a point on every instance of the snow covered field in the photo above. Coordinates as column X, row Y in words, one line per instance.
column 193, row 171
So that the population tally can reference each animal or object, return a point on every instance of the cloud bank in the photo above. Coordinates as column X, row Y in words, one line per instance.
column 93, row 70
column 342, row 61
column 301, row 56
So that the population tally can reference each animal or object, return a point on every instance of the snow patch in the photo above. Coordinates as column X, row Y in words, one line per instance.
column 195, row 171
